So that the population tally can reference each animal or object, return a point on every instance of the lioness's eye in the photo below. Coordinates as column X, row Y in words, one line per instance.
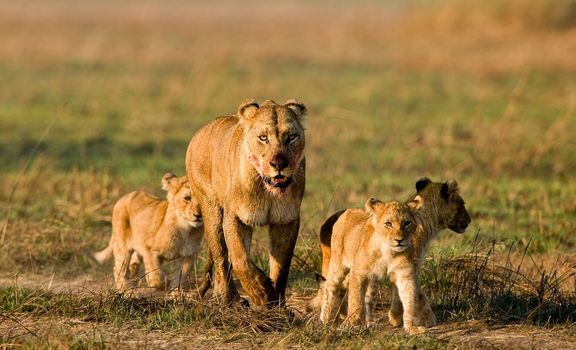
column 263, row 138
column 388, row 224
column 187, row 198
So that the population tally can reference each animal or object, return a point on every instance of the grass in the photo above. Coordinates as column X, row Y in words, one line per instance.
column 97, row 105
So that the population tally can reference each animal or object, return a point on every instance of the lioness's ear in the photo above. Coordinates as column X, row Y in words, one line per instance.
column 371, row 205
column 298, row 108
column 247, row 109
column 167, row 180
column 416, row 203
column 422, row 183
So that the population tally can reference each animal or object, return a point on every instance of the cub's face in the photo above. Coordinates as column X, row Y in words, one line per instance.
column 393, row 222
column 458, row 218
column 274, row 141
column 450, row 206
column 182, row 200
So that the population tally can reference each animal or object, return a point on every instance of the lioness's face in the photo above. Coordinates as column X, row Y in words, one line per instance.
column 393, row 223
column 274, row 143
column 182, row 200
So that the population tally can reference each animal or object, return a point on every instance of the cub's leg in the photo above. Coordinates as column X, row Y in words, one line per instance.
column 184, row 279
column 425, row 314
column 408, row 292
column 333, row 295
column 396, row 310
column 282, row 243
column 186, row 276
column 121, row 273
column 368, row 301
column 224, row 289
column 254, row 281
column 357, row 286
column 152, row 265
column 135, row 263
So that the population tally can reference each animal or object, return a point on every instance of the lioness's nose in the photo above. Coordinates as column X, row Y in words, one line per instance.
column 279, row 162
column 398, row 239
column 198, row 216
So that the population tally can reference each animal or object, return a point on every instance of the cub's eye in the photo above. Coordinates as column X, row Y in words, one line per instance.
column 291, row 137
column 263, row 138
column 187, row 198
column 388, row 224
column 407, row 223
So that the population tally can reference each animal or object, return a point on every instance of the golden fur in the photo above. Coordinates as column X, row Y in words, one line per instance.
column 146, row 228
column 249, row 170
column 443, row 208
column 366, row 246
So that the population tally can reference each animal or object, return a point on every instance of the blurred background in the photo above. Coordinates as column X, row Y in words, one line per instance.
column 100, row 98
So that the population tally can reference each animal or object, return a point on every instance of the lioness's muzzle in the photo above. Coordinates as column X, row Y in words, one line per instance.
column 278, row 181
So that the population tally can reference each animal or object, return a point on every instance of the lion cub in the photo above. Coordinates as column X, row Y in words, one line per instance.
column 151, row 229
column 366, row 246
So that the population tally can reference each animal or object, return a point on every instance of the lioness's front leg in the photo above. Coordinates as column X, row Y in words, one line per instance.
column 224, row 288
column 254, row 281
column 282, row 243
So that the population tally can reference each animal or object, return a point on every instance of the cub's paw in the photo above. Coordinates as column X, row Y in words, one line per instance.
column 412, row 330
column 395, row 319
column 426, row 319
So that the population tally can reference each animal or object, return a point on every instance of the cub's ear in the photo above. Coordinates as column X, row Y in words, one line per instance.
column 371, row 204
column 168, row 180
column 422, row 183
column 452, row 185
column 445, row 191
column 298, row 108
column 416, row 203
column 247, row 109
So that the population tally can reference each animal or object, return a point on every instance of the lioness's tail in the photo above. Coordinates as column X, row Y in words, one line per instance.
column 103, row 255
column 325, row 244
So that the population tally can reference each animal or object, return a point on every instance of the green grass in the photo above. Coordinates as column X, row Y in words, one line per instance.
column 93, row 107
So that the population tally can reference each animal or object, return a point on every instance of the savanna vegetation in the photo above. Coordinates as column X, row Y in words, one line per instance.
column 101, row 98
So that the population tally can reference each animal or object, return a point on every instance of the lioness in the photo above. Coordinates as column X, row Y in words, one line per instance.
column 148, row 228
column 248, row 170
column 443, row 208
column 367, row 245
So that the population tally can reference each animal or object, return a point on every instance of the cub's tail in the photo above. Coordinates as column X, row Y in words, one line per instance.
column 325, row 244
column 103, row 255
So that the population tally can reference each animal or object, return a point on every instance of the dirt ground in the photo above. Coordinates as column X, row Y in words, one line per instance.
column 16, row 327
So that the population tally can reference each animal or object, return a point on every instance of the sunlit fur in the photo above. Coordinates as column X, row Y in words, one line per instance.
column 443, row 207
column 248, row 170
column 148, row 229
column 368, row 245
